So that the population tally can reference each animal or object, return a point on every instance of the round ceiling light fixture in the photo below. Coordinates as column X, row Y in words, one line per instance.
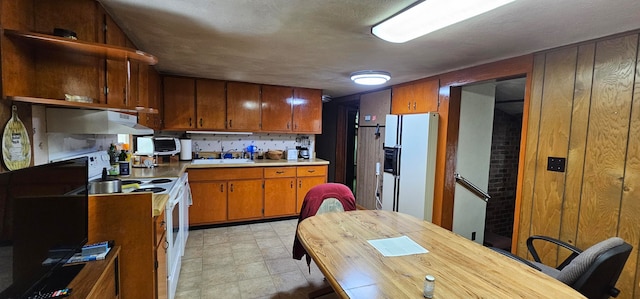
column 370, row 77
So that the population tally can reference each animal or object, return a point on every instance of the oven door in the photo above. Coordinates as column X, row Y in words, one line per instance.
column 174, row 252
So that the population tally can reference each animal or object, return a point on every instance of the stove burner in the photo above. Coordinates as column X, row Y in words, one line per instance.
column 150, row 189
column 128, row 182
column 160, row 181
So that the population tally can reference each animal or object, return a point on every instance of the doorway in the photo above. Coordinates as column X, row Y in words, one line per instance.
column 487, row 157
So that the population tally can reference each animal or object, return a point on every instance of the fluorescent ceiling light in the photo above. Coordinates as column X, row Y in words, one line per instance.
column 431, row 15
column 370, row 77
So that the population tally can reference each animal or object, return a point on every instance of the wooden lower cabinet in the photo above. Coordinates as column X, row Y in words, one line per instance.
column 127, row 219
column 308, row 177
column 279, row 191
column 209, row 202
column 249, row 193
column 162, row 289
column 244, row 199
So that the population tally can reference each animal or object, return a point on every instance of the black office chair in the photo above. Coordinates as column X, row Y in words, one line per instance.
column 592, row 272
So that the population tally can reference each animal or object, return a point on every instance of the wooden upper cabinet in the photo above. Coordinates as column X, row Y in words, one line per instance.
column 179, row 103
column 211, row 104
column 116, row 69
column 276, row 108
column 150, row 96
column 243, row 107
column 417, row 97
column 307, row 111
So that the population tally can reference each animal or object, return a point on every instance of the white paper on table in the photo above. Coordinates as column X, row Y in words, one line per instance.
column 397, row 246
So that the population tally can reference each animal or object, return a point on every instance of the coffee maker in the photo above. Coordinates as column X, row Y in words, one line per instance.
column 303, row 153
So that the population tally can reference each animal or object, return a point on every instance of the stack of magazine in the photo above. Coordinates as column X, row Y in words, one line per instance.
column 91, row 252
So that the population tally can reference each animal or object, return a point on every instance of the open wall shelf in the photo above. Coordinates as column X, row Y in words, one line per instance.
column 88, row 48
column 63, row 103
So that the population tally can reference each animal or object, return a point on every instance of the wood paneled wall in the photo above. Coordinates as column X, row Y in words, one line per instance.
column 375, row 105
column 583, row 107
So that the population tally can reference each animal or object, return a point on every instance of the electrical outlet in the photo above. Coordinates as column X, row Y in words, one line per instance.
column 556, row 164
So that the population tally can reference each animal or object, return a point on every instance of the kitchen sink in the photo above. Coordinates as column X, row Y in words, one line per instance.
column 222, row 161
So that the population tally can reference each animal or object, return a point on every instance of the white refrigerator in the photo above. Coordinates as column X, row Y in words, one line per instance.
column 410, row 145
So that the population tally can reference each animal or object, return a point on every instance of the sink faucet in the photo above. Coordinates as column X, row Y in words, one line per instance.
column 227, row 154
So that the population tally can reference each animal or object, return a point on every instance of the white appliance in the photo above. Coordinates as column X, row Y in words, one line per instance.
column 410, row 145
column 177, row 218
column 79, row 121
column 176, row 210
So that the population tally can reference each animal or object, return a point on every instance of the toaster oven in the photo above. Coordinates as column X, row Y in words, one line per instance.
column 166, row 146
column 161, row 146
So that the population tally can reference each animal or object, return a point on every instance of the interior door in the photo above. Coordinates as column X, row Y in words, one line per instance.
column 473, row 159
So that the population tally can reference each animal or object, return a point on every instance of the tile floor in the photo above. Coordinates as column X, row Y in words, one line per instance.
column 246, row 261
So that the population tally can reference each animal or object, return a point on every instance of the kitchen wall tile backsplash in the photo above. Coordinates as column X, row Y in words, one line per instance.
column 236, row 143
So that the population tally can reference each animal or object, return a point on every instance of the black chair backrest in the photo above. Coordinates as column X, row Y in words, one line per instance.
column 600, row 278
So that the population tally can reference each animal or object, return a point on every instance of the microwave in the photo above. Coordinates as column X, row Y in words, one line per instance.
column 161, row 146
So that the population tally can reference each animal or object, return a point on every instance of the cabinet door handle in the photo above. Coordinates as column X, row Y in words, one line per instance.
column 409, row 105
column 166, row 245
column 291, row 184
column 230, row 123
column 189, row 121
column 162, row 223
column 414, row 106
column 288, row 125
column 221, row 188
column 200, row 122
column 231, row 188
column 300, row 184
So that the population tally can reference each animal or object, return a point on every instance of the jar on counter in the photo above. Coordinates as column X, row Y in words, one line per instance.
column 429, row 286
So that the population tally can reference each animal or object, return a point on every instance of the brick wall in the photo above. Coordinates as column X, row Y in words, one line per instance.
column 503, row 172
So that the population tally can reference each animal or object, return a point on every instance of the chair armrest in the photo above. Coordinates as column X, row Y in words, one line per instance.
column 515, row 257
column 575, row 250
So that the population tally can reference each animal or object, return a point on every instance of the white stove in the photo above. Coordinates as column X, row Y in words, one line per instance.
column 176, row 210
column 100, row 160
column 155, row 185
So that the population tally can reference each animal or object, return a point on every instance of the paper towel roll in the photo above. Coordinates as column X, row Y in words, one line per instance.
column 185, row 149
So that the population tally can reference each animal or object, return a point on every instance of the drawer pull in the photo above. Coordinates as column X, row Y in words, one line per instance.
column 311, row 170
column 279, row 172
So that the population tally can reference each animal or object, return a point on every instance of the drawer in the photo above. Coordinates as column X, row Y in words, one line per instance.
column 279, row 172
column 311, row 171
column 219, row 174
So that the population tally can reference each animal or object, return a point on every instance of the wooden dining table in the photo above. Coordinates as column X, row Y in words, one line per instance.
column 338, row 244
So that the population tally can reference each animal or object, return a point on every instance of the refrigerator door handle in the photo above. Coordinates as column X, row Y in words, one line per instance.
column 472, row 187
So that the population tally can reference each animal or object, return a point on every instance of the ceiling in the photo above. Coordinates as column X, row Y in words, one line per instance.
column 318, row 43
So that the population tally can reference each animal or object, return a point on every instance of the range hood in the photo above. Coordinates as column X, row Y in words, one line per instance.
column 78, row 121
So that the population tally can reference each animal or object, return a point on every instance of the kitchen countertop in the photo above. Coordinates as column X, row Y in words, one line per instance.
column 176, row 169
